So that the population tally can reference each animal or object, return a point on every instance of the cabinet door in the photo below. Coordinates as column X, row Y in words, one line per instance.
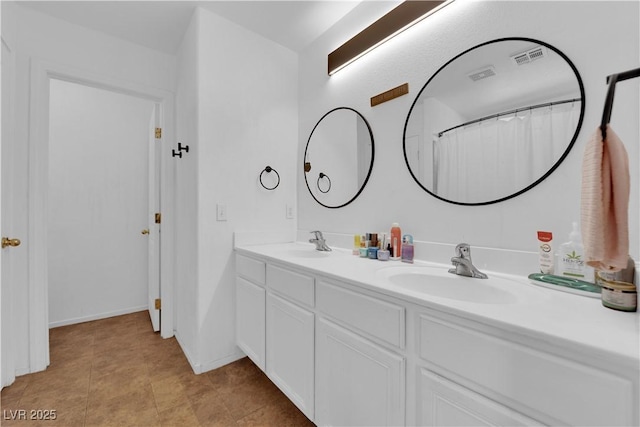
column 290, row 351
column 445, row 403
column 250, row 320
column 358, row 382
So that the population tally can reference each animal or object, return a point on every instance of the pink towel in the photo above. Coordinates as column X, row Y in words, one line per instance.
column 605, row 202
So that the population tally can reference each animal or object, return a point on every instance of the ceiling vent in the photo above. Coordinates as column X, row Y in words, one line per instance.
column 482, row 73
column 529, row 56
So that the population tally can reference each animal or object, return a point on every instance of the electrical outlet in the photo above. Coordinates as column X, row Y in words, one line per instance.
column 290, row 211
column 221, row 212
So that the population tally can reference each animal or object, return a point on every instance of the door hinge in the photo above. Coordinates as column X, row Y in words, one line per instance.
column 158, row 133
column 158, row 218
column 158, row 304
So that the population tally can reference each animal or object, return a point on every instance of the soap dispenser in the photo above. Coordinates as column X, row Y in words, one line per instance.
column 571, row 261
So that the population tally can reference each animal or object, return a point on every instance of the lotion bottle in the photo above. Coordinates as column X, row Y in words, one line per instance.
column 396, row 241
column 571, row 258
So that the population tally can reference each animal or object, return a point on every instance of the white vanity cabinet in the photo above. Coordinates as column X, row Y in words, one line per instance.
column 290, row 335
column 348, row 352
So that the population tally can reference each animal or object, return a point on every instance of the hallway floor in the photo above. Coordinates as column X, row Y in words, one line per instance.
column 118, row 372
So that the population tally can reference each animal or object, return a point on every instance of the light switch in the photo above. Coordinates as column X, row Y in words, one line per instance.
column 290, row 212
column 221, row 212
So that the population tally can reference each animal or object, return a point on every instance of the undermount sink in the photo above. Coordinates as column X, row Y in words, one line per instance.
column 438, row 282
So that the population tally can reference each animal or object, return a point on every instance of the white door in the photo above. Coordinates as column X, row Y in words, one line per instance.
column 358, row 383
column 153, row 207
column 445, row 403
column 290, row 351
column 99, row 196
column 8, row 357
column 250, row 319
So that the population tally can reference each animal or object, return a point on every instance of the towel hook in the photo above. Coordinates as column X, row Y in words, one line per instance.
column 613, row 79
column 269, row 169
column 608, row 105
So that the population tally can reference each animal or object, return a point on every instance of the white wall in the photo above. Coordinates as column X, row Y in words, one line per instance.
column 186, row 195
column 39, row 37
column 98, row 202
column 413, row 57
column 245, row 119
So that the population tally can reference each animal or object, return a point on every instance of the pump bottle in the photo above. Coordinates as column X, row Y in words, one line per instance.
column 571, row 261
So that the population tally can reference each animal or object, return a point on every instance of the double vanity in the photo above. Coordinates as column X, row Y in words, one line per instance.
column 354, row 341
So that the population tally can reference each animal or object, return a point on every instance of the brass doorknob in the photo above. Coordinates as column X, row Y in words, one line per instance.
column 145, row 231
column 10, row 242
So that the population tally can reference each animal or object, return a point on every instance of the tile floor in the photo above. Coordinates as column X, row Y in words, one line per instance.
column 118, row 372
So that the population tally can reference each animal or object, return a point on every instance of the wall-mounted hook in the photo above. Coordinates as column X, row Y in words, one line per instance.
column 174, row 154
column 181, row 148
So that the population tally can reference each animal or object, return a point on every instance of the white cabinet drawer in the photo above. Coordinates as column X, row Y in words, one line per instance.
column 545, row 386
column 250, row 269
column 378, row 318
column 294, row 285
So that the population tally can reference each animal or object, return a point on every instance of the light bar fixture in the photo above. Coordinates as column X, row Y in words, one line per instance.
column 396, row 21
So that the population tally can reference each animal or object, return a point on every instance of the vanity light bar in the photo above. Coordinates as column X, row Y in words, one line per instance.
column 393, row 23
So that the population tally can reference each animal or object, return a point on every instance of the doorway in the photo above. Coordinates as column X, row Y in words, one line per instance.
column 102, row 192
column 33, row 348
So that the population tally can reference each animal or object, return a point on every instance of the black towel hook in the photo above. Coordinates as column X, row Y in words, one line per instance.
column 613, row 79
column 269, row 169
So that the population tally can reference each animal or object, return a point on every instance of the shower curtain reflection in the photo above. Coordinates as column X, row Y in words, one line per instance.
column 484, row 161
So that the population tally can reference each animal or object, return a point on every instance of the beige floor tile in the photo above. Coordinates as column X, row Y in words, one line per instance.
column 182, row 416
column 277, row 415
column 169, row 393
column 210, row 411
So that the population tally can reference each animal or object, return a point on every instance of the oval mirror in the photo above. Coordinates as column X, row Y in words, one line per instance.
column 338, row 157
column 494, row 121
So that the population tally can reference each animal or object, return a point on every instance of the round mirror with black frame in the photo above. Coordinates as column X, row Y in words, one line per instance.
column 338, row 157
column 494, row 121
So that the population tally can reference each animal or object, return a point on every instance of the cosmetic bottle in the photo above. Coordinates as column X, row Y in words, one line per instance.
column 545, row 252
column 396, row 241
column 407, row 248
column 356, row 245
column 571, row 258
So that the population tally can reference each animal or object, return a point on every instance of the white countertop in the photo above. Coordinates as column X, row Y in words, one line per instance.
column 536, row 311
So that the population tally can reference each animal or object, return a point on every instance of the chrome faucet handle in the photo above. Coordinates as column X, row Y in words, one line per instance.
column 463, row 250
column 318, row 234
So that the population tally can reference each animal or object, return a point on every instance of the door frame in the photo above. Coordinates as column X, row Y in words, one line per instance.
column 41, row 72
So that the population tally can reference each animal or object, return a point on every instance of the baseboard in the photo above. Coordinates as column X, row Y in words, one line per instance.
column 97, row 316
column 215, row 364
column 194, row 366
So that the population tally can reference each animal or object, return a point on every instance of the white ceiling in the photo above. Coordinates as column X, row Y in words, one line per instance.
column 160, row 25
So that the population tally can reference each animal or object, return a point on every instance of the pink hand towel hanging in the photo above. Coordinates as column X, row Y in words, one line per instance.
column 605, row 202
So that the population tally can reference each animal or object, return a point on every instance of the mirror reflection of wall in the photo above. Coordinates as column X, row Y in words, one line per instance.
column 494, row 121
column 338, row 157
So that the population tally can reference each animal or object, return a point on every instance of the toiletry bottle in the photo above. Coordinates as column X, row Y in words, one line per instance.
column 356, row 245
column 407, row 248
column 571, row 258
column 396, row 241
column 545, row 252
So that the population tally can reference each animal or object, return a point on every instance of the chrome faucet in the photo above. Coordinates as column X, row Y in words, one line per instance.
column 321, row 244
column 462, row 263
